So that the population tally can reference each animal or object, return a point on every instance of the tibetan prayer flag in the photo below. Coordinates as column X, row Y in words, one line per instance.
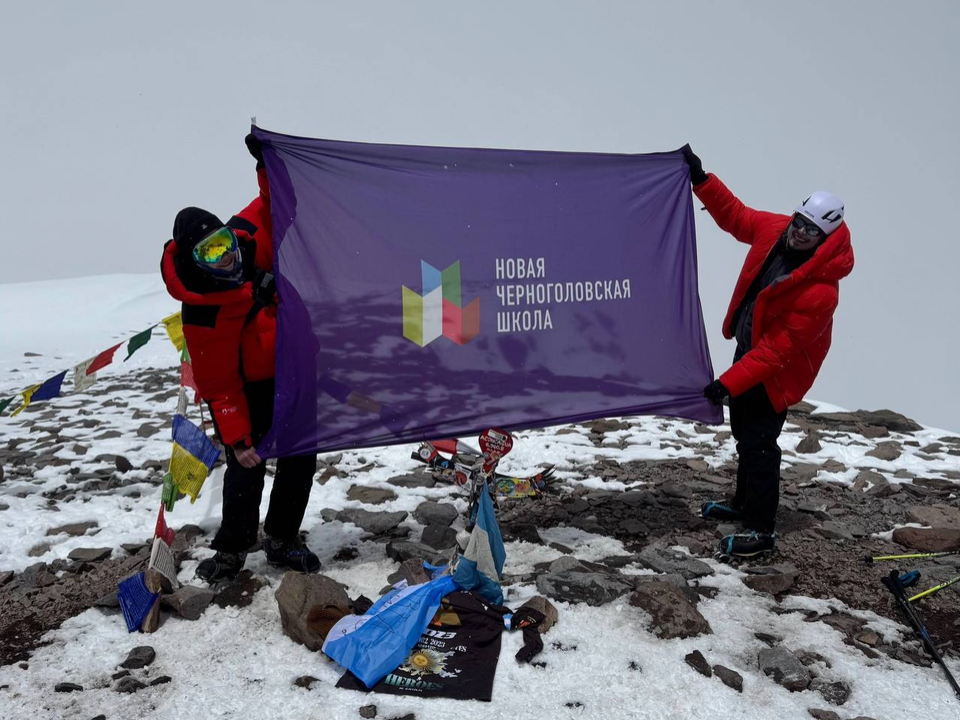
column 487, row 288
column 5, row 403
column 83, row 380
column 161, row 560
column 192, row 458
column 174, row 327
column 102, row 360
column 136, row 601
column 167, row 534
column 49, row 389
column 27, row 396
column 137, row 342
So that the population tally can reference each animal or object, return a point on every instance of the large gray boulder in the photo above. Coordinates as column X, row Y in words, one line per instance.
column 580, row 584
column 671, row 610
column 784, row 668
column 665, row 560
column 297, row 595
column 375, row 523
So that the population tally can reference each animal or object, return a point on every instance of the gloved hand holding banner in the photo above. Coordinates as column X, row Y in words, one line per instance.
column 435, row 292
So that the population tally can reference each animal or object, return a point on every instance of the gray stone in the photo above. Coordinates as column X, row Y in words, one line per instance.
column 439, row 536
column 592, row 588
column 546, row 608
column 129, row 685
column 74, row 529
column 927, row 540
column 936, row 516
column 375, row 523
column 835, row 693
column 5, row 577
column 109, row 600
column 698, row 662
column 297, row 595
column 434, row 513
column 833, row 530
column 139, row 657
column 368, row 711
column 773, row 579
column 306, row 681
column 161, row 680
column 730, row 678
column 893, row 421
column 784, row 668
column 240, row 591
column 401, row 550
column 370, row 495
column 888, row 451
column 122, row 464
column 567, row 563
column 665, row 560
column 810, row 444
column 410, row 570
column 823, row 714
column 189, row 602
column 413, row 480
column 673, row 614
column 67, row 687
column 90, row 554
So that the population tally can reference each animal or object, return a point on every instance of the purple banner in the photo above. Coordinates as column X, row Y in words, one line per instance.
column 434, row 292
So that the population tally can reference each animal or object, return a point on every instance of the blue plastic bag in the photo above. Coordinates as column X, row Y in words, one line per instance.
column 373, row 644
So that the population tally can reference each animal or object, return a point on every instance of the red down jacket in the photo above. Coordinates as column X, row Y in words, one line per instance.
column 227, row 348
column 792, row 319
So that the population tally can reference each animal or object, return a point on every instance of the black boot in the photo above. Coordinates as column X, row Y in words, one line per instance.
column 724, row 511
column 290, row 554
column 748, row 545
column 222, row 566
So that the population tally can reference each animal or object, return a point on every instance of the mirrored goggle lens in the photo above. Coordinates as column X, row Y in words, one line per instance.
column 215, row 245
column 805, row 227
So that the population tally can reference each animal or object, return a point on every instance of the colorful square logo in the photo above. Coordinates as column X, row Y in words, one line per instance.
column 439, row 310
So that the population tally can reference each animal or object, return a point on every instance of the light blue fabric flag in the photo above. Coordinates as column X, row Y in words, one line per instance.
column 481, row 566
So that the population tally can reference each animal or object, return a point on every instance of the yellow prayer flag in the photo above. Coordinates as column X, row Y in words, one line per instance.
column 27, row 395
column 188, row 472
column 174, row 326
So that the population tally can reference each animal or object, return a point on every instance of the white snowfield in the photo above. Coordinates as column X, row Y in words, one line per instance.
column 237, row 663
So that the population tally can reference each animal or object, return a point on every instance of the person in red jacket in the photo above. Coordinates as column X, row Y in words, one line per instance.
column 222, row 275
column 781, row 315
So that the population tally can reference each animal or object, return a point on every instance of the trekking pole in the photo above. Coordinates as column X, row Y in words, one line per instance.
column 937, row 588
column 911, row 556
column 894, row 585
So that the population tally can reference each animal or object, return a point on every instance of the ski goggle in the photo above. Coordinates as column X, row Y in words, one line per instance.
column 214, row 246
column 805, row 228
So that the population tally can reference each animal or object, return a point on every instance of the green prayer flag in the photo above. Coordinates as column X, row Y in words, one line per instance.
column 137, row 342
column 5, row 402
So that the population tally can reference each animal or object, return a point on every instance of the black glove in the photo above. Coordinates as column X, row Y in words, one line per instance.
column 253, row 145
column 715, row 392
column 528, row 620
column 697, row 175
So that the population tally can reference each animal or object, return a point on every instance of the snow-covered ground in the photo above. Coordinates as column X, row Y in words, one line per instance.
column 238, row 663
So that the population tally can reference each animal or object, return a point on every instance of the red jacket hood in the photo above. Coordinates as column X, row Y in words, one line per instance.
column 833, row 260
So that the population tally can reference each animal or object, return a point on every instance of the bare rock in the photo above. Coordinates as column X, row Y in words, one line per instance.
column 129, row 685
column 411, row 570
column 90, row 554
column 297, row 595
column 240, row 591
column 936, row 516
column 784, row 668
column 73, row 529
column 139, row 657
column 835, row 693
column 434, row 513
column 306, row 681
column 122, row 464
column 730, row 678
column 67, row 687
column 375, row 523
column 773, row 579
column 368, row 711
column 928, row 540
column 161, row 680
column 370, row 495
column 189, row 602
column 413, row 480
column 810, row 444
column 439, row 537
column 673, row 613
column 888, row 451
column 823, row 714
column 698, row 662
column 582, row 585
column 664, row 560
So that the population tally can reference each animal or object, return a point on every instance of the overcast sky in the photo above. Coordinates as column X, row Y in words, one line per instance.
column 113, row 116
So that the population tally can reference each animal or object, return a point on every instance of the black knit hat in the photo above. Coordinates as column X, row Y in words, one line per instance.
column 192, row 225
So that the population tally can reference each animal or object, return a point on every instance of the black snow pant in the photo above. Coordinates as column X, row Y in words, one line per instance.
column 756, row 427
column 243, row 487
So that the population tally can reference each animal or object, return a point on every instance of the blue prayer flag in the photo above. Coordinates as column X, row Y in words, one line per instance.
column 136, row 600
column 49, row 389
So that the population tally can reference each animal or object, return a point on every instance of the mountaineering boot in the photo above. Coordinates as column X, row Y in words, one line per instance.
column 222, row 566
column 748, row 545
column 290, row 554
column 722, row 511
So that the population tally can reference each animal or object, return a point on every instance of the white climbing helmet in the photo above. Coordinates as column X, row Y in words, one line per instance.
column 824, row 209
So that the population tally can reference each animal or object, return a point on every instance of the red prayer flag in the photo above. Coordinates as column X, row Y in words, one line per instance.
column 163, row 532
column 103, row 359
